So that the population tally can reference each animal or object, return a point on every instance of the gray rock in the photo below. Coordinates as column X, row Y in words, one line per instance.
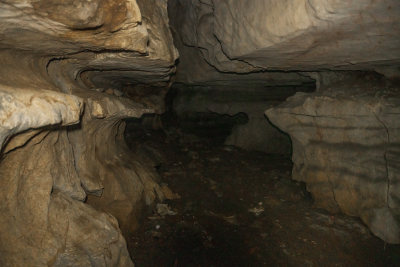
column 118, row 93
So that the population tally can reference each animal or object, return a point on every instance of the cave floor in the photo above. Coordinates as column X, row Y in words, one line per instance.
column 239, row 208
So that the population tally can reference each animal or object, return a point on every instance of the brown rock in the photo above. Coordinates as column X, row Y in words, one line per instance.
column 57, row 133
column 345, row 147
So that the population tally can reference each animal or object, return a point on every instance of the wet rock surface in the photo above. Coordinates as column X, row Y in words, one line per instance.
column 238, row 208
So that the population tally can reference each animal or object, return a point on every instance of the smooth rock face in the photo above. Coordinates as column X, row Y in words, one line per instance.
column 245, row 36
column 65, row 170
column 346, row 145
column 23, row 109
column 202, row 62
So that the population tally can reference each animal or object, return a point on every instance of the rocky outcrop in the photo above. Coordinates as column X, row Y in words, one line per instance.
column 346, row 145
column 70, row 75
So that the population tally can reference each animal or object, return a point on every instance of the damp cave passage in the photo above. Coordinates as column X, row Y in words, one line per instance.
column 232, row 200
column 276, row 140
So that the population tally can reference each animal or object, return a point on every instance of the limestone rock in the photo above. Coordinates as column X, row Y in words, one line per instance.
column 60, row 138
column 346, row 144
column 245, row 36
column 43, row 218
column 197, row 63
column 23, row 109
column 90, row 237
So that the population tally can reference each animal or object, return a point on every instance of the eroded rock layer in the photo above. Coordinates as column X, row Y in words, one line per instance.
column 246, row 36
column 72, row 70
column 346, row 147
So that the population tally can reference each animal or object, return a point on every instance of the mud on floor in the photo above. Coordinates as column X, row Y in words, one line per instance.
column 230, row 207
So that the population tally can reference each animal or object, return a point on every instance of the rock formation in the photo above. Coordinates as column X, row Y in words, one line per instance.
column 347, row 155
column 346, row 149
column 241, row 37
column 207, row 81
column 68, row 68
column 73, row 70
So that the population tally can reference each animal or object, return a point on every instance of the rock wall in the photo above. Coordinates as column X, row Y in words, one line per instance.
column 247, row 36
column 251, row 45
column 69, row 76
column 344, row 155
column 346, row 145
column 73, row 70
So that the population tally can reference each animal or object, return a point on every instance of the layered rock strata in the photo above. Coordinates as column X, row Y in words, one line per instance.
column 247, row 36
column 346, row 147
column 63, row 94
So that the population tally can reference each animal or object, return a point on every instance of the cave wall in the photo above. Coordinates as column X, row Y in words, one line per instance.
column 241, row 37
column 64, row 94
column 346, row 148
column 204, row 87
column 73, row 70
column 344, row 134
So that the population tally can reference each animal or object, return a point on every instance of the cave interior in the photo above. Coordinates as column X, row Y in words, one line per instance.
column 200, row 133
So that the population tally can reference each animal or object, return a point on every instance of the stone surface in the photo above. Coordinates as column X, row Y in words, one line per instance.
column 46, row 174
column 65, row 172
column 44, row 220
column 240, row 37
column 244, row 44
column 199, row 66
column 346, row 145
column 24, row 109
column 73, row 70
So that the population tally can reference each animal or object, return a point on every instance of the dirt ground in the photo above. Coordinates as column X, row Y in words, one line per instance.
column 237, row 208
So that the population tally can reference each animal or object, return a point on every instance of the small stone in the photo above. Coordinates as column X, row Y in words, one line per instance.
column 109, row 91
column 118, row 93
column 164, row 209
column 193, row 155
column 168, row 193
column 256, row 210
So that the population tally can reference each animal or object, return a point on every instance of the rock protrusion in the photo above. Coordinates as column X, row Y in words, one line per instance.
column 345, row 148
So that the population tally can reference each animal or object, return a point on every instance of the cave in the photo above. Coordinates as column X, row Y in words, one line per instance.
column 200, row 133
